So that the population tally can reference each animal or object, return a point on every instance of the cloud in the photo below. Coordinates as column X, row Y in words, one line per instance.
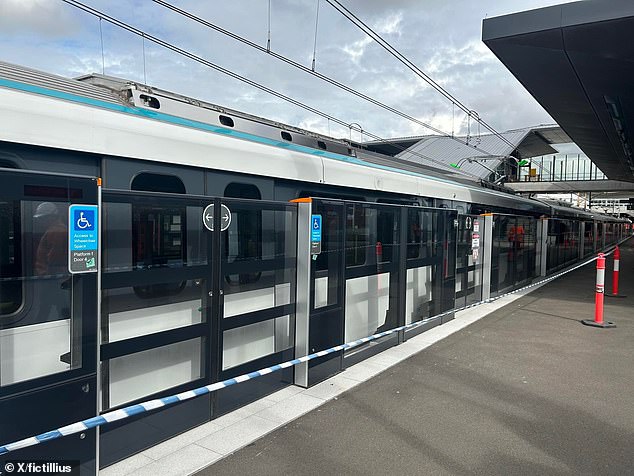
column 356, row 49
column 443, row 38
column 45, row 18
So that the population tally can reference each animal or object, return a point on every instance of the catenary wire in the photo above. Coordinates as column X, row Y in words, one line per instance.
column 399, row 56
column 333, row 82
column 248, row 81
column 311, row 71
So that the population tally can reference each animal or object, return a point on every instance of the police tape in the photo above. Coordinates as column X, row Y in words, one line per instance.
column 150, row 405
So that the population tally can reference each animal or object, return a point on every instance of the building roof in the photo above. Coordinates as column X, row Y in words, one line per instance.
column 486, row 149
column 576, row 61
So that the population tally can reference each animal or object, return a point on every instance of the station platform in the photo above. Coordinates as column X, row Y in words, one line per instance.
column 512, row 387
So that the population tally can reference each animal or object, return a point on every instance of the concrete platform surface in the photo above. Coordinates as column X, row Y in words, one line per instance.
column 527, row 389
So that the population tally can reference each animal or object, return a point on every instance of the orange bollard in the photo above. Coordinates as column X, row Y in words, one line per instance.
column 598, row 302
column 615, row 275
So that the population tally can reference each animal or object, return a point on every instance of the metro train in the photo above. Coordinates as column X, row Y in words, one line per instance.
column 199, row 273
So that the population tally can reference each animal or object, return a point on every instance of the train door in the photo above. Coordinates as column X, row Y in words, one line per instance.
column 430, row 286
column 373, row 276
column 48, row 314
column 373, row 267
column 469, row 259
column 156, row 315
column 327, row 290
column 253, row 306
column 195, row 289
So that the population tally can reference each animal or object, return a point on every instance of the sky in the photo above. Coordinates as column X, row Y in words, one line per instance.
column 442, row 37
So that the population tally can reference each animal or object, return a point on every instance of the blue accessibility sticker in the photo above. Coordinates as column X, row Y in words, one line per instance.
column 315, row 229
column 83, row 238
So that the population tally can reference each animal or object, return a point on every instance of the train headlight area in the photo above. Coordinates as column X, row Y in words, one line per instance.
column 187, row 282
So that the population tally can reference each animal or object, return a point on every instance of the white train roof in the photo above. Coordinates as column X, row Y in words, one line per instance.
column 113, row 117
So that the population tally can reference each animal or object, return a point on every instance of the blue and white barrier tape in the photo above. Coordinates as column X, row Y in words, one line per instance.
column 165, row 401
column 127, row 412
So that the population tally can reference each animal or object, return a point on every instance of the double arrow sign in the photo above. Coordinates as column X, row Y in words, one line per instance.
column 208, row 217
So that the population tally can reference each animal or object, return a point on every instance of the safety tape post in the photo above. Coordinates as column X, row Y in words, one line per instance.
column 143, row 407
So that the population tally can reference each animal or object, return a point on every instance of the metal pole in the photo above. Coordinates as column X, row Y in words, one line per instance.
column 487, row 258
column 541, row 255
column 302, row 297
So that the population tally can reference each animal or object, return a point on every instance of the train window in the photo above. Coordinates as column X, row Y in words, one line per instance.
column 386, row 230
column 286, row 136
column 314, row 194
column 158, row 235
column 158, row 231
column 431, row 238
column 321, row 145
column 243, row 190
column 331, row 235
column 50, row 192
column 244, row 237
column 397, row 201
column 357, row 234
column 157, row 183
column 10, row 262
column 414, row 235
column 226, row 121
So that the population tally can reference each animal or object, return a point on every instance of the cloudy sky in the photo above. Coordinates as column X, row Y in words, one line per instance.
column 442, row 37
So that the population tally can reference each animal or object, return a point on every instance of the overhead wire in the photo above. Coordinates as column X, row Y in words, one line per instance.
column 268, row 38
column 410, row 65
column 320, row 76
column 354, row 19
column 250, row 82
column 297, row 65
column 315, row 42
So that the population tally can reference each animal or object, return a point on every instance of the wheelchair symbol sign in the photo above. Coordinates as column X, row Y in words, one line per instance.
column 315, row 235
column 84, row 219
column 83, row 238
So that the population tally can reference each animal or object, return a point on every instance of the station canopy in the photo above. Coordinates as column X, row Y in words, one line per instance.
column 577, row 60
column 474, row 154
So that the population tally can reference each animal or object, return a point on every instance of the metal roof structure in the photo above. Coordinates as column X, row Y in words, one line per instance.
column 486, row 150
column 576, row 61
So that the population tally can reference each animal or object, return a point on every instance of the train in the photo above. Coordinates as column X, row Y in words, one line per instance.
column 152, row 243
